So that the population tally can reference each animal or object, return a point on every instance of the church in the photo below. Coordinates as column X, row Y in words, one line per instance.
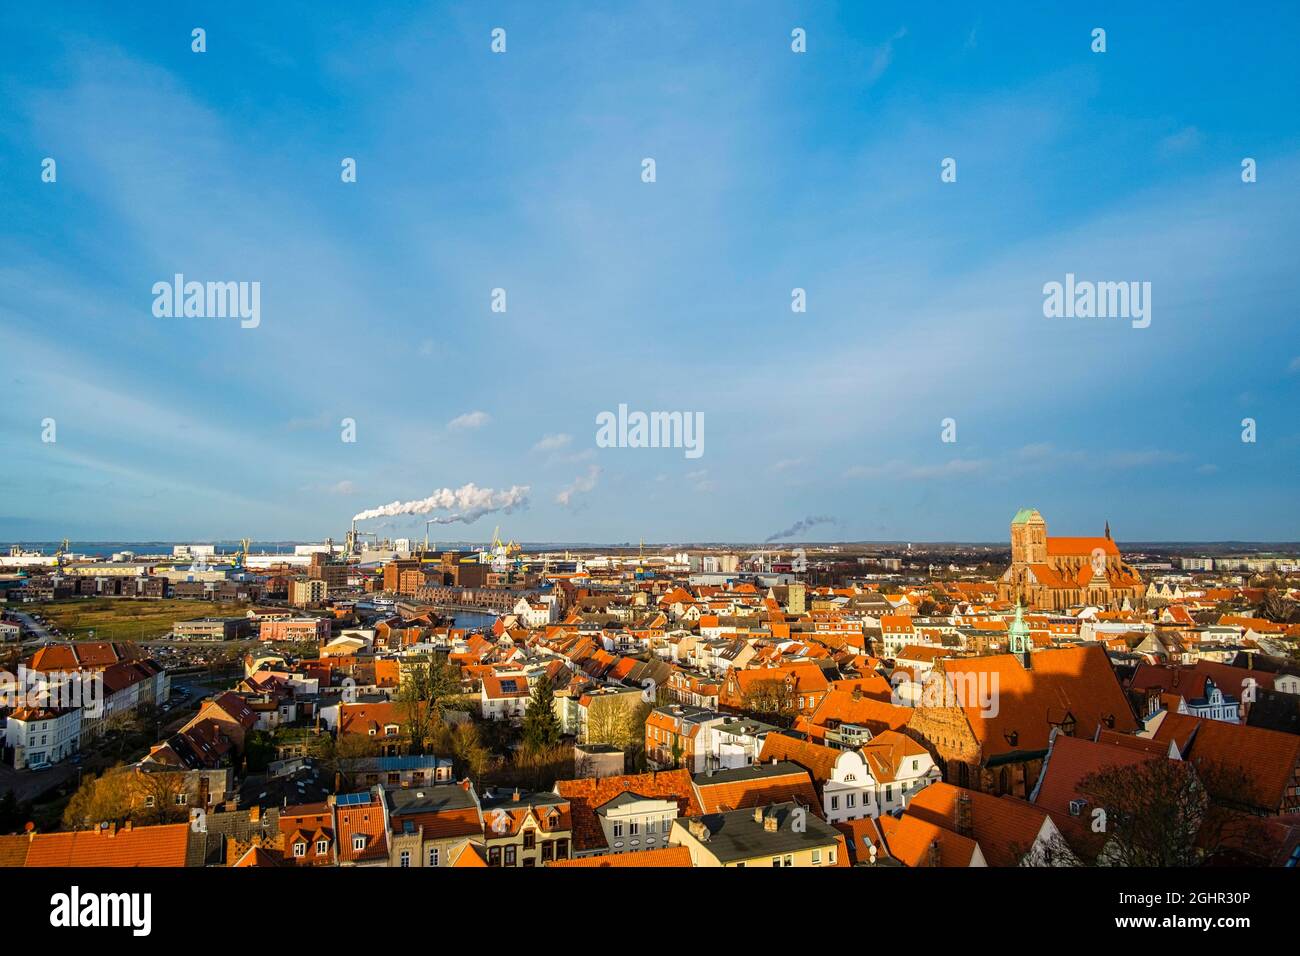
column 1053, row 574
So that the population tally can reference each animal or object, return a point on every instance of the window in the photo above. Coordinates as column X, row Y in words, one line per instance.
column 850, row 800
column 776, row 861
column 633, row 828
column 180, row 799
column 322, row 847
column 618, row 829
column 817, row 857
column 148, row 801
column 511, row 852
column 300, row 849
column 405, row 860
column 835, row 803
column 494, row 856
column 916, row 764
column 359, row 842
column 789, row 859
column 530, row 839
column 830, row 858
column 548, row 850
column 433, row 856
column 562, row 848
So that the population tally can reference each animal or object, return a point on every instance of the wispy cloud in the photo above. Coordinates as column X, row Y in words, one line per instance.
column 553, row 442
column 581, row 485
column 469, row 420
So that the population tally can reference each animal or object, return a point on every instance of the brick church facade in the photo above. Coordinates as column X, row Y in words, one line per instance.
column 1054, row 573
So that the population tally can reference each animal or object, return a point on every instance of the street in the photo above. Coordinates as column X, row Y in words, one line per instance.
column 28, row 784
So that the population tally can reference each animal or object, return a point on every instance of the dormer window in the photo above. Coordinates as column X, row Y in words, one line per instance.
column 358, row 842
column 300, row 848
column 322, row 847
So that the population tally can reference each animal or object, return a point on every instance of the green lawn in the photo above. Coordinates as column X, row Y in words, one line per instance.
column 116, row 619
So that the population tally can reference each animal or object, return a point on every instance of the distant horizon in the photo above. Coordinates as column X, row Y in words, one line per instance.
column 738, row 543
column 835, row 274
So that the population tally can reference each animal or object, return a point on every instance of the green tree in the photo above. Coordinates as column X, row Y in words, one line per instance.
column 10, row 813
column 259, row 750
column 541, row 726
column 427, row 686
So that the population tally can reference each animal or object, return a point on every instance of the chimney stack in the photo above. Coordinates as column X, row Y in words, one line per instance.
column 964, row 826
column 932, row 856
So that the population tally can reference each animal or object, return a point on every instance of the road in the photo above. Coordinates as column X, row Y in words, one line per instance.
column 34, row 626
column 28, row 784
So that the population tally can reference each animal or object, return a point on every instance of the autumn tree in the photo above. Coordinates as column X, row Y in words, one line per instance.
column 102, row 799
column 769, row 700
column 154, row 796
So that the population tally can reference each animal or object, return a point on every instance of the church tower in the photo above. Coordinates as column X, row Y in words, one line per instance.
column 1028, row 538
column 1018, row 634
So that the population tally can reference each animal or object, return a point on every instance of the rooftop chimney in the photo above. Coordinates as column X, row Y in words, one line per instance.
column 964, row 826
column 515, row 798
column 770, row 822
column 932, row 856
column 698, row 830
column 758, row 814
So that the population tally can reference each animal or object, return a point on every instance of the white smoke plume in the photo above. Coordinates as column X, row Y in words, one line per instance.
column 467, row 503
column 803, row 525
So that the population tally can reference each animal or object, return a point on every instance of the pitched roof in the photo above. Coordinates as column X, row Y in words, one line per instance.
column 1005, row 828
column 818, row 760
column 752, row 786
column 1266, row 759
column 909, row 840
column 1068, row 763
column 668, row 856
column 123, row 846
column 586, row 796
column 1069, row 681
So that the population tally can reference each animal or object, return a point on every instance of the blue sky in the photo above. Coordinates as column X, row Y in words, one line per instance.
column 774, row 171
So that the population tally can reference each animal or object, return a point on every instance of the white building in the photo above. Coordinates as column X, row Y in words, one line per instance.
column 43, row 736
column 881, row 777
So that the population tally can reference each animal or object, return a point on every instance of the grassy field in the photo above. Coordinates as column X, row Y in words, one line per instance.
column 113, row 619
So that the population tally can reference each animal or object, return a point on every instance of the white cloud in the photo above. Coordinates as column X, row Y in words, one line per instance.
column 469, row 420
column 580, row 486
column 553, row 442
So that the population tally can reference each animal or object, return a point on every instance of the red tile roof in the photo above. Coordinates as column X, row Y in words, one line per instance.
column 124, row 846
column 1077, row 681
column 588, row 795
column 669, row 856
